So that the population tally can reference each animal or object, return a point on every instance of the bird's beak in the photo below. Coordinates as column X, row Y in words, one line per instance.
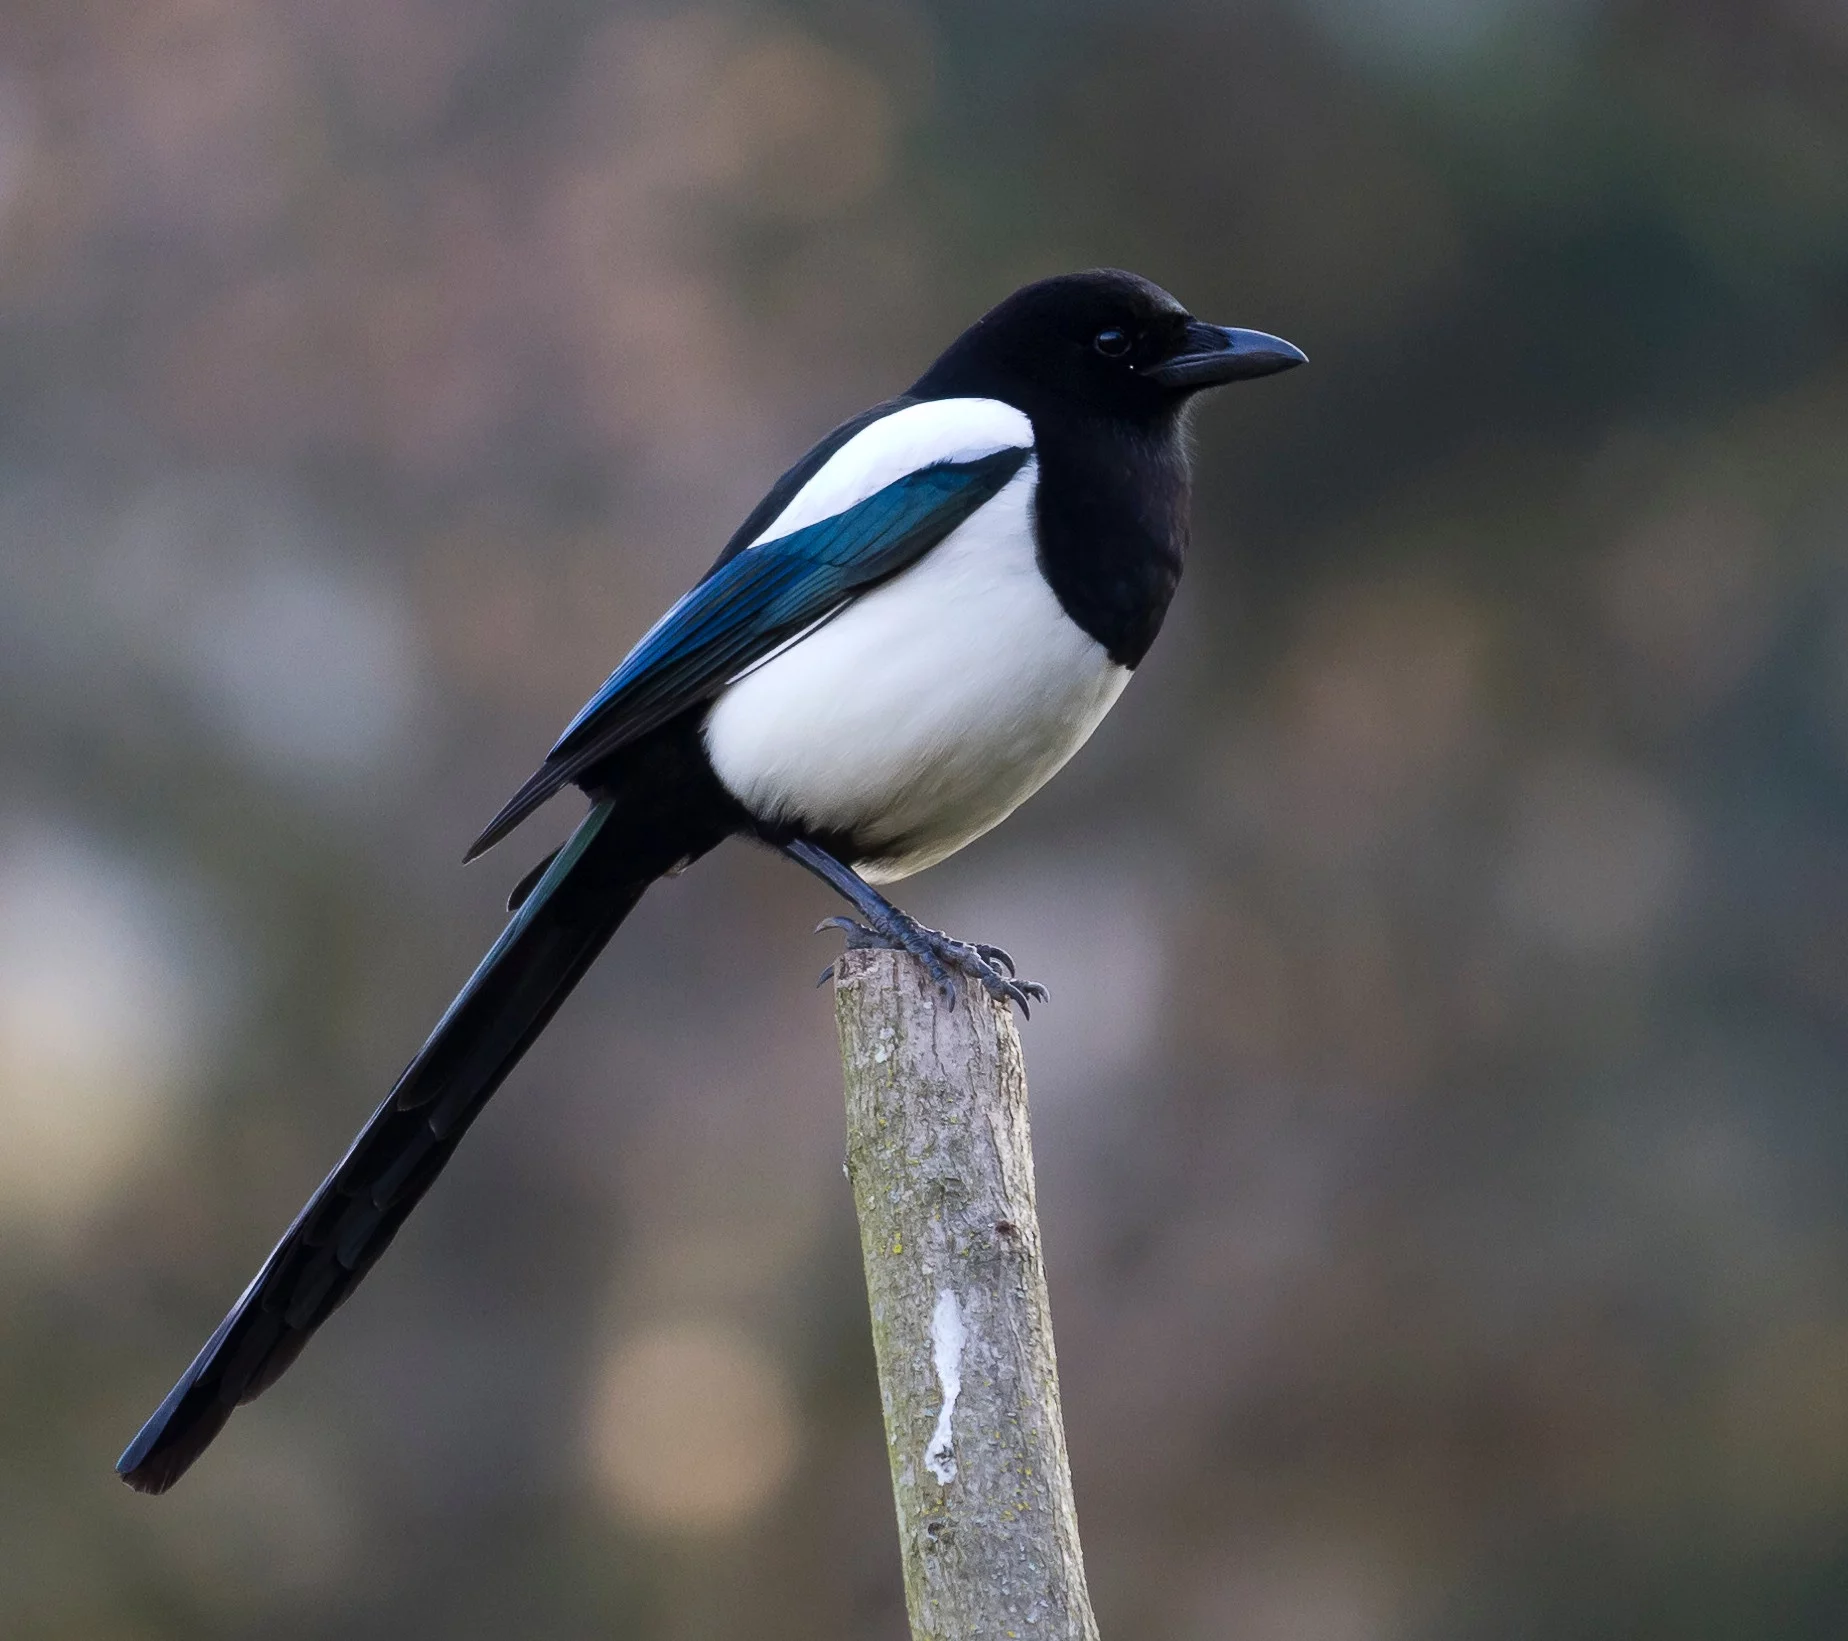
column 1210, row 355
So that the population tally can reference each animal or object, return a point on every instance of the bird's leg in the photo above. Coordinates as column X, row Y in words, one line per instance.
column 881, row 924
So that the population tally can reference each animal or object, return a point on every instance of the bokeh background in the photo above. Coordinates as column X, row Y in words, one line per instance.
column 1444, row 1158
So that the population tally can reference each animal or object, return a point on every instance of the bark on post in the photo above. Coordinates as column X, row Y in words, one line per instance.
column 941, row 1162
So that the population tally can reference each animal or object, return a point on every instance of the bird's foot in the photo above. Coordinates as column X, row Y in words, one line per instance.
column 942, row 956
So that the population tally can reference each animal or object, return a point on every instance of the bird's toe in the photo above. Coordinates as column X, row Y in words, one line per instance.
column 992, row 969
column 997, row 955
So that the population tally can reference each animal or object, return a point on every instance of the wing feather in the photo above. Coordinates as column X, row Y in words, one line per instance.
column 755, row 602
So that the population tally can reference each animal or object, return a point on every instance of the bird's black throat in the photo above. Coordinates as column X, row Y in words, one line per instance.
column 1111, row 515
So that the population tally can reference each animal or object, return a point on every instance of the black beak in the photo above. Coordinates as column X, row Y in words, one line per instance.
column 1211, row 355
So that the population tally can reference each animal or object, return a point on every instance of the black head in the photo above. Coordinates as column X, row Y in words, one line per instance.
column 1105, row 341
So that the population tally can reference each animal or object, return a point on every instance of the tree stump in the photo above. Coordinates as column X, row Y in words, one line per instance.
column 940, row 1158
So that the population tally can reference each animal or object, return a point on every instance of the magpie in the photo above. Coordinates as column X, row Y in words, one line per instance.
column 920, row 623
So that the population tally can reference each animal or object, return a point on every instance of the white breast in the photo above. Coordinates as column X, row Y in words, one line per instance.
column 929, row 709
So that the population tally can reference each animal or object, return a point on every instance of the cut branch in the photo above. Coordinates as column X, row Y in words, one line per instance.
column 941, row 1161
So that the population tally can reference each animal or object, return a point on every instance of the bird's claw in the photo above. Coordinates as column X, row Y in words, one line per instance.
column 859, row 936
column 991, row 967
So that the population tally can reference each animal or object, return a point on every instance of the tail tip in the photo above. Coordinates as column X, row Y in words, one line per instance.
column 164, row 1448
column 147, row 1473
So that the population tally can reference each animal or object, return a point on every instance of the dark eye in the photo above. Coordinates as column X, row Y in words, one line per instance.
column 1111, row 343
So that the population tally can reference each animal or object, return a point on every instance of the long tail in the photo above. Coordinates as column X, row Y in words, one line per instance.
column 557, row 932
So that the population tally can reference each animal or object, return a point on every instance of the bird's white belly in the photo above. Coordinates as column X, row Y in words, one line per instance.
column 926, row 711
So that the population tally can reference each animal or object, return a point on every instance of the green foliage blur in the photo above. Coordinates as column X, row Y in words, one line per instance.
column 1444, row 1158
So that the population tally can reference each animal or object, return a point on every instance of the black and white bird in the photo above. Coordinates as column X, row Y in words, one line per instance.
column 920, row 623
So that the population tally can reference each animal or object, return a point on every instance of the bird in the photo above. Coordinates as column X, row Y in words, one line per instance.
column 917, row 626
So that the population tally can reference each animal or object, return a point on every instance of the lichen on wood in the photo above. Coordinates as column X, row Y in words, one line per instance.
column 940, row 1158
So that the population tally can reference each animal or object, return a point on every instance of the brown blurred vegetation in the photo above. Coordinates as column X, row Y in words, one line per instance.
column 1440, row 1109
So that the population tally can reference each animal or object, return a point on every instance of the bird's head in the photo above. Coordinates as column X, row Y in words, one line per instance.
column 1104, row 341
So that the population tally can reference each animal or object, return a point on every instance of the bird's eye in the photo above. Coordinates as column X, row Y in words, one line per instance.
column 1111, row 343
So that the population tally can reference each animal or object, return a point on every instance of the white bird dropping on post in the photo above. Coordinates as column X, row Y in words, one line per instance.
column 946, row 1342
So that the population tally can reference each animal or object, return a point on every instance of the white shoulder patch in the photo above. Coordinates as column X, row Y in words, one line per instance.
column 939, row 430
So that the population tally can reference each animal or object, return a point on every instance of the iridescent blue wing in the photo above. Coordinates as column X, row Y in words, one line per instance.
column 751, row 604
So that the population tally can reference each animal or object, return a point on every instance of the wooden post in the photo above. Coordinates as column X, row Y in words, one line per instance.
column 941, row 1162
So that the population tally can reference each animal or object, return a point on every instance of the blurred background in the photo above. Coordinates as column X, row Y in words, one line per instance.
column 1443, row 1154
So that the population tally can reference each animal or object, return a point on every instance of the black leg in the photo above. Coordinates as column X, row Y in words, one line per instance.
column 885, row 925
